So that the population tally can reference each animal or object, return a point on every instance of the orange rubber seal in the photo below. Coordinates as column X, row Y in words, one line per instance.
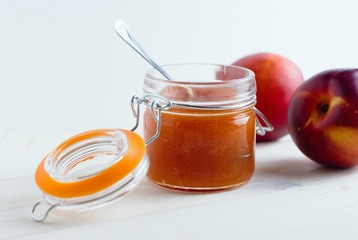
column 100, row 181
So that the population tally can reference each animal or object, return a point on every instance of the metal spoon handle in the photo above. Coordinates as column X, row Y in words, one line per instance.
column 123, row 31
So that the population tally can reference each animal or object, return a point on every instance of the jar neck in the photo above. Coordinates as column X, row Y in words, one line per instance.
column 243, row 105
column 204, row 86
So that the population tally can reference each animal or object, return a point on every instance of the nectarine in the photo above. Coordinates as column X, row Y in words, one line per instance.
column 323, row 118
column 276, row 78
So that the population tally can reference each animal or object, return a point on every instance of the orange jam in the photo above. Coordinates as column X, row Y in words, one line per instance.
column 201, row 150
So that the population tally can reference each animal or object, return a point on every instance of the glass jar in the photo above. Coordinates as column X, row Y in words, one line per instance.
column 200, row 136
column 207, row 137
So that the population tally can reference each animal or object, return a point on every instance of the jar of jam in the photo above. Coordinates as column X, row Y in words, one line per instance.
column 207, row 136
column 200, row 136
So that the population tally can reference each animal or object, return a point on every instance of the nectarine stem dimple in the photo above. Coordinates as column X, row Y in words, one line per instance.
column 324, row 108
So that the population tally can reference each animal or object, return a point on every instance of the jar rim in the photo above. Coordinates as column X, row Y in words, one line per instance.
column 161, row 78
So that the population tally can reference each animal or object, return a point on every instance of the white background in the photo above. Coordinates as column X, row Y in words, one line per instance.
column 63, row 68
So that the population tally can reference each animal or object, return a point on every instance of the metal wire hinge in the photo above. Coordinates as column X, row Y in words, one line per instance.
column 156, row 104
column 260, row 129
column 41, row 210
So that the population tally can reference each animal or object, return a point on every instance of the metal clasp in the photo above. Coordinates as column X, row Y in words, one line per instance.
column 41, row 210
column 156, row 104
column 260, row 129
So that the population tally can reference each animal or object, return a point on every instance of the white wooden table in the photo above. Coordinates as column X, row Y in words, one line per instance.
column 289, row 197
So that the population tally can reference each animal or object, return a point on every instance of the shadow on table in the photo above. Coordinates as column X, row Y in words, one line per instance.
column 295, row 172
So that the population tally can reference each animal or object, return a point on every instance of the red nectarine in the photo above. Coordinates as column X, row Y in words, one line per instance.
column 323, row 118
column 276, row 78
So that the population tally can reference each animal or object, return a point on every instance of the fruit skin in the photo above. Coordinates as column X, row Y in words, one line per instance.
column 323, row 118
column 276, row 78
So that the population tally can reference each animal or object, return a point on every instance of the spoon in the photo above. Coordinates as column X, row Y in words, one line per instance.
column 123, row 31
